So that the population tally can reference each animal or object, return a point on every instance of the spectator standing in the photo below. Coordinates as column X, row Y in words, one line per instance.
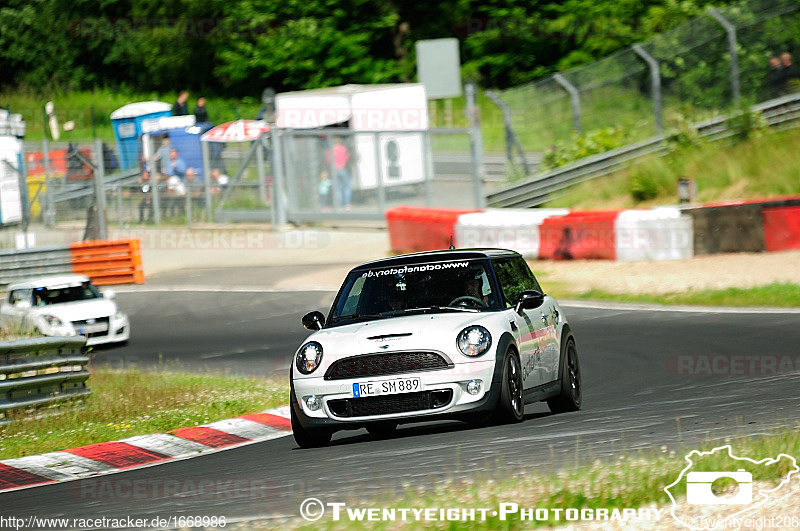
column 200, row 111
column 790, row 72
column 176, row 167
column 341, row 156
column 775, row 77
column 162, row 156
column 146, row 204
column 180, row 108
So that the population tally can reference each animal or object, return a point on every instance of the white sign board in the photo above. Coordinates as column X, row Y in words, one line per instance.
column 10, row 196
column 439, row 68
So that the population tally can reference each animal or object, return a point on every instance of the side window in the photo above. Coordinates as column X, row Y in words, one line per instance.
column 514, row 277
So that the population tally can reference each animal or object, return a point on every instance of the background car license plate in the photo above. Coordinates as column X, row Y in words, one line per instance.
column 386, row 387
column 94, row 328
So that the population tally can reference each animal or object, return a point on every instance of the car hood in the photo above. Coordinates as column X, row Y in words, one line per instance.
column 78, row 311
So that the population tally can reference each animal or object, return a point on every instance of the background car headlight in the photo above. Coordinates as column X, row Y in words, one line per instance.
column 474, row 341
column 309, row 357
column 119, row 315
column 52, row 320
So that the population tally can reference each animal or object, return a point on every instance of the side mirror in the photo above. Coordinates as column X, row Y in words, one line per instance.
column 314, row 320
column 109, row 294
column 529, row 300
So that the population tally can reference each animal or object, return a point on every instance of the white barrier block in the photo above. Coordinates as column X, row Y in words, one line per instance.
column 507, row 229
column 662, row 233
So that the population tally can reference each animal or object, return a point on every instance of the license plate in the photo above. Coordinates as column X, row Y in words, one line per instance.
column 386, row 387
column 93, row 328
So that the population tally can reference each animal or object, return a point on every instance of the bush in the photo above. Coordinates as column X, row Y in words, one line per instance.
column 584, row 145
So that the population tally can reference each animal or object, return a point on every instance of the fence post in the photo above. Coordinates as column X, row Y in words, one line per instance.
column 655, row 82
column 574, row 99
column 427, row 154
column 206, row 178
column 379, row 174
column 279, row 190
column 154, row 179
column 99, row 192
column 476, row 144
column 730, row 29
column 511, row 136
column 262, row 185
column 48, row 215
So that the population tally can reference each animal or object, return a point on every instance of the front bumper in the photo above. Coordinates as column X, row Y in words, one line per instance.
column 119, row 330
column 450, row 383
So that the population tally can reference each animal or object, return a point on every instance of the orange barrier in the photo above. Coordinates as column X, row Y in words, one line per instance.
column 422, row 229
column 579, row 235
column 781, row 228
column 108, row 262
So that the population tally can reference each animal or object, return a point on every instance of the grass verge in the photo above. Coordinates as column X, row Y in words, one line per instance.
column 634, row 479
column 138, row 402
column 777, row 294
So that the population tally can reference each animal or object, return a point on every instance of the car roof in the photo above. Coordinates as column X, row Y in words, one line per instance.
column 48, row 281
column 439, row 256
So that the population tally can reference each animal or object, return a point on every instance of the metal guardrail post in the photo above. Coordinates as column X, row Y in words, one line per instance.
column 655, row 82
column 100, row 195
column 730, row 29
column 262, row 185
column 511, row 137
column 206, row 177
column 154, row 180
column 278, row 170
column 574, row 100
column 379, row 174
column 48, row 214
column 427, row 155
column 476, row 144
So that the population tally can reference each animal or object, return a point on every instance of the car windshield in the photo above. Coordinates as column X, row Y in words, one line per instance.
column 449, row 286
column 65, row 294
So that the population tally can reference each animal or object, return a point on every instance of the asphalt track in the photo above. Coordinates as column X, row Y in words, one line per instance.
column 651, row 379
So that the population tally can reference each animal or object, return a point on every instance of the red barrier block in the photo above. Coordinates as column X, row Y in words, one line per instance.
column 414, row 229
column 579, row 235
column 781, row 228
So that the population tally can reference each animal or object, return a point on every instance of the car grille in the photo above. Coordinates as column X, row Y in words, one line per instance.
column 386, row 363
column 385, row 405
column 105, row 320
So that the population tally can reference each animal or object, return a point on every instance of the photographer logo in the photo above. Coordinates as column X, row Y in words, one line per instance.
column 698, row 488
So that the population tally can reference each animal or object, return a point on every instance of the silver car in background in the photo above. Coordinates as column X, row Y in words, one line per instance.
column 65, row 305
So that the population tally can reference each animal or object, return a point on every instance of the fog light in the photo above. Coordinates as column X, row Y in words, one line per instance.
column 474, row 387
column 313, row 403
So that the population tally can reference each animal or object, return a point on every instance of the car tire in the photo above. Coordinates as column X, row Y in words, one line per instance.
column 571, row 396
column 511, row 403
column 382, row 430
column 304, row 437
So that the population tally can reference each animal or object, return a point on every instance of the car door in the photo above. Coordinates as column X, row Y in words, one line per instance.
column 529, row 324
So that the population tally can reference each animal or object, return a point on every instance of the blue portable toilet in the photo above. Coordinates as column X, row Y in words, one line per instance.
column 127, row 123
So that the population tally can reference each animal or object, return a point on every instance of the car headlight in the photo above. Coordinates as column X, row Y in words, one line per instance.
column 52, row 320
column 474, row 341
column 309, row 356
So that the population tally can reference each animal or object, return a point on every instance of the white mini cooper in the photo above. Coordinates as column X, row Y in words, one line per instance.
column 464, row 334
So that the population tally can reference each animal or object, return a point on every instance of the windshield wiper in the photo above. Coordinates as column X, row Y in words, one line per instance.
column 357, row 317
column 440, row 308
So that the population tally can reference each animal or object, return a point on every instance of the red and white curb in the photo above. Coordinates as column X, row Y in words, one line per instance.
column 143, row 450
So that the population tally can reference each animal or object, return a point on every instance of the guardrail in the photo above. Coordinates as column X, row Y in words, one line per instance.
column 103, row 261
column 26, row 263
column 780, row 113
column 43, row 371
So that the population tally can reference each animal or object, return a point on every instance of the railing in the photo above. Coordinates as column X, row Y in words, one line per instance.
column 22, row 264
column 103, row 261
column 39, row 372
column 780, row 113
